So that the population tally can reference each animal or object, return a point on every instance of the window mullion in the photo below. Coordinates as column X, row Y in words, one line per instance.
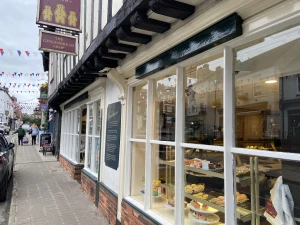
column 179, row 155
column 128, row 144
column 148, row 166
column 229, row 138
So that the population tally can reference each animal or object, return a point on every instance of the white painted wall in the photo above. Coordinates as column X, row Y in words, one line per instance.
column 116, row 5
column 110, row 177
column 104, row 13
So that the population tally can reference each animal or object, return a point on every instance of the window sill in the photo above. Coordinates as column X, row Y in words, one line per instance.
column 149, row 213
column 90, row 174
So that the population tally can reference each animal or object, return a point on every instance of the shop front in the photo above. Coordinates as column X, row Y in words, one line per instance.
column 213, row 136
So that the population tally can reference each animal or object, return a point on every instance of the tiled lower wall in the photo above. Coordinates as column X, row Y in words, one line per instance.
column 132, row 216
column 73, row 169
column 88, row 185
column 108, row 204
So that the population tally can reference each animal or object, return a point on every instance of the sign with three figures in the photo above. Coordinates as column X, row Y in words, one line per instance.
column 59, row 13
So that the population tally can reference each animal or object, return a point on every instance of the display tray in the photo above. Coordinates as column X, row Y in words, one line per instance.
column 216, row 219
column 209, row 210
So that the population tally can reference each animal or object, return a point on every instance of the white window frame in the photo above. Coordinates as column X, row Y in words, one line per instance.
column 228, row 149
column 298, row 83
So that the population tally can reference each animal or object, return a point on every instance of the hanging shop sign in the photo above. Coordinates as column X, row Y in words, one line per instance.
column 59, row 43
column 59, row 13
column 113, row 128
column 219, row 33
column 44, row 107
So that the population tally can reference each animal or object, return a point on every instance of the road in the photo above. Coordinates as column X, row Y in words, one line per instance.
column 5, row 206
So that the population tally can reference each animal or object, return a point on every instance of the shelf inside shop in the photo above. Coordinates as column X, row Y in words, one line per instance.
column 211, row 173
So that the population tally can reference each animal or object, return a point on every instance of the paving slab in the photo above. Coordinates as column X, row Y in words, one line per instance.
column 44, row 193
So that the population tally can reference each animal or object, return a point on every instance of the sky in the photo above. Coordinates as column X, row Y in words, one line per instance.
column 19, row 31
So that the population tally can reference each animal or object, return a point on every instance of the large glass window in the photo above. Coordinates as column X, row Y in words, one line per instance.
column 253, row 173
column 93, row 137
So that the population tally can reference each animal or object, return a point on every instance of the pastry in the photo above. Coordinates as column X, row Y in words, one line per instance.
column 241, row 197
column 214, row 200
column 220, row 202
column 221, row 197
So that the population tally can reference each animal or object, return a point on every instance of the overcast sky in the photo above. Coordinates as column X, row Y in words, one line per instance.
column 20, row 32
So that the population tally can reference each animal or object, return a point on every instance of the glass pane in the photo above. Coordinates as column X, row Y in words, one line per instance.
column 89, row 152
column 164, row 108
column 82, row 149
column 139, row 111
column 138, row 172
column 78, row 121
column 97, row 152
column 204, row 102
column 204, row 186
column 99, row 119
column 76, row 147
column 163, row 184
column 266, row 189
column 91, row 122
column 267, row 100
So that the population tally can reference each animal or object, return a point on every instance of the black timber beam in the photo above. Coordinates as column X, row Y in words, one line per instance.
column 125, row 34
column 112, row 44
column 141, row 21
column 103, row 52
column 102, row 63
column 171, row 8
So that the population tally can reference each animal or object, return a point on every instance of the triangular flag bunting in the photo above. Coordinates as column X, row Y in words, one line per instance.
column 19, row 52
column 27, row 53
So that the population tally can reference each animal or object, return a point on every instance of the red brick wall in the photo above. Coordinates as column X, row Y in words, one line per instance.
column 73, row 170
column 130, row 216
column 108, row 205
column 89, row 186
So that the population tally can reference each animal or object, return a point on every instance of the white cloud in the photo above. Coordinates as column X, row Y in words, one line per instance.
column 20, row 32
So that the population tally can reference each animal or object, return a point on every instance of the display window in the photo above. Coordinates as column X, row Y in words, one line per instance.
column 220, row 143
column 93, row 137
column 70, row 135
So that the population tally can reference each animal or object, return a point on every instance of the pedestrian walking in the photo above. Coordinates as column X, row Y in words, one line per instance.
column 34, row 133
column 21, row 133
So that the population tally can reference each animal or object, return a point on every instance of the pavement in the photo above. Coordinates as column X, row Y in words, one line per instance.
column 45, row 194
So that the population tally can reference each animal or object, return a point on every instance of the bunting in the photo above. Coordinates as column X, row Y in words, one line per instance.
column 19, row 52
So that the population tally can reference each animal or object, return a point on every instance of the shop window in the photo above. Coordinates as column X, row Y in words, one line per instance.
column 93, row 137
column 267, row 106
column 267, row 189
column 82, row 135
column 138, row 172
column 204, row 186
column 163, row 181
column 164, row 108
column 204, row 102
column 139, row 111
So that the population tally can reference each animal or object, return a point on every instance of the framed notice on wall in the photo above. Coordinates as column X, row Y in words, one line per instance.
column 112, row 143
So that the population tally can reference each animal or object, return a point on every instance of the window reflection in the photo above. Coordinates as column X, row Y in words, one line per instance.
column 164, row 106
column 204, row 102
column 267, row 93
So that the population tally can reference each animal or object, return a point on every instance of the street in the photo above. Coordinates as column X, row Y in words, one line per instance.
column 5, row 206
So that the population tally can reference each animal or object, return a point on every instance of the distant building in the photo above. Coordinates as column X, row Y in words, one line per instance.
column 6, row 107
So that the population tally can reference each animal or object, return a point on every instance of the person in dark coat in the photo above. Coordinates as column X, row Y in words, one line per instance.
column 21, row 133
